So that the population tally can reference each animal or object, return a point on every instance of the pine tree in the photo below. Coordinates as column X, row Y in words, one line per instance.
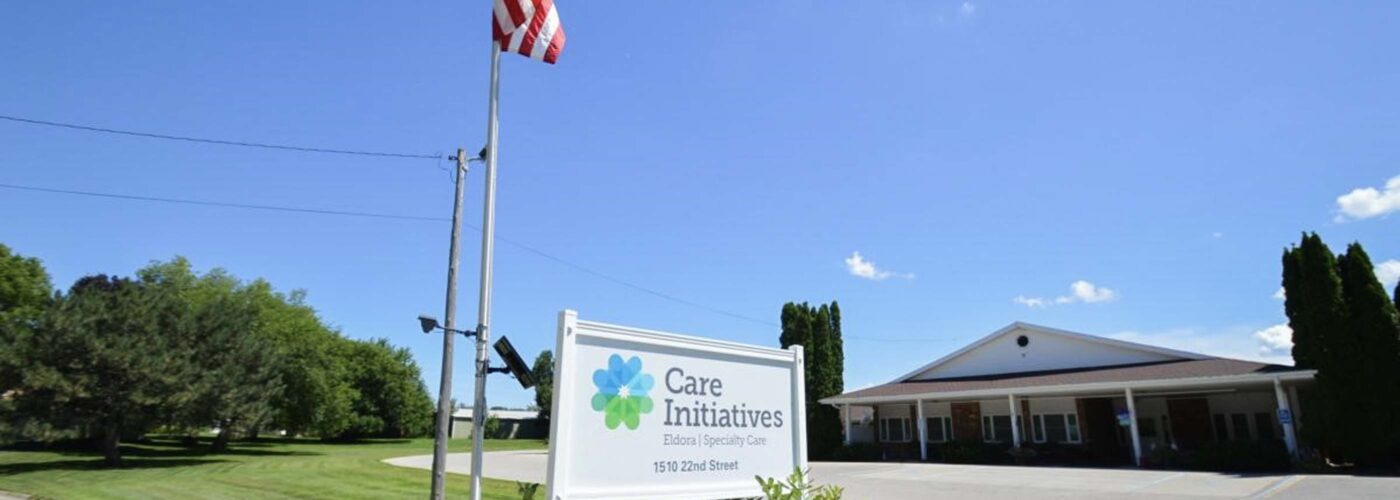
column 1365, row 369
column 1313, row 303
column 817, row 330
column 836, row 354
column 1313, row 299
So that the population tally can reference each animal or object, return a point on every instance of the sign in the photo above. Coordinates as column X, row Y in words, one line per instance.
column 646, row 414
column 1124, row 418
column 1285, row 416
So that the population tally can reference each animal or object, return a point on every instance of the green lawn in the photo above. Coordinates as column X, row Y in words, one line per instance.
column 266, row 469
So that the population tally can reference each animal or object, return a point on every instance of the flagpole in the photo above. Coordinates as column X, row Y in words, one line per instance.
column 483, row 310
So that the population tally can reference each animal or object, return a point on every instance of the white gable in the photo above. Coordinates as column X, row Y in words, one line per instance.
column 1045, row 349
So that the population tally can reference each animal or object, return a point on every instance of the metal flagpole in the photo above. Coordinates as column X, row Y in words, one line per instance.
column 444, row 410
column 483, row 311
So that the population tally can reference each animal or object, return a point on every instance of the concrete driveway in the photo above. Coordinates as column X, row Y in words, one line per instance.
column 920, row 480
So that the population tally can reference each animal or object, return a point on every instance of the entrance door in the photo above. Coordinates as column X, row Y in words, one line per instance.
column 1101, row 427
column 1190, row 420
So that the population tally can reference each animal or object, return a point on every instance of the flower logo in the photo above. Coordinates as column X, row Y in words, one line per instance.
column 622, row 392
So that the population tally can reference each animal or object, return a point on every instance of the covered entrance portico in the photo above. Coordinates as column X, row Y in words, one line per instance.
column 1110, row 422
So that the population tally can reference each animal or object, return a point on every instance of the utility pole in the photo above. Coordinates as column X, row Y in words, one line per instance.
column 444, row 410
column 483, row 310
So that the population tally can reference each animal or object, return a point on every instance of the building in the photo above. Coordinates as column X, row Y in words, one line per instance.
column 514, row 424
column 1107, row 398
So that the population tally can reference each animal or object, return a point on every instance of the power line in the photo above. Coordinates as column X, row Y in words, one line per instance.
column 540, row 253
column 222, row 204
column 304, row 149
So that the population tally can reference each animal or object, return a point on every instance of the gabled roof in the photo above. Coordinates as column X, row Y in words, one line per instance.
column 1009, row 329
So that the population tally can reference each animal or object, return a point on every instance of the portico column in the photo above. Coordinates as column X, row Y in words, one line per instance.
column 1297, row 406
column 1133, row 427
column 923, row 432
column 847, row 408
column 1288, row 438
column 1015, row 429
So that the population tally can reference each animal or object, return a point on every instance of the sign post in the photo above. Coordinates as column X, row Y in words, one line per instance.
column 646, row 414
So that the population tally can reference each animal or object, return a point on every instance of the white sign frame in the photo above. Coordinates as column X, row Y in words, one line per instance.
column 563, row 420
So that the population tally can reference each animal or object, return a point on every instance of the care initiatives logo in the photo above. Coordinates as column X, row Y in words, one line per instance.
column 622, row 392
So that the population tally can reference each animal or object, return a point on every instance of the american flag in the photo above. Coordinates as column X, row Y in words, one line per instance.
column 528, row 27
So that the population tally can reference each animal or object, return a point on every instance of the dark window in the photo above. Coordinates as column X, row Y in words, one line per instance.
column 1073, row 421
column 1222, row 431
column 1038, row 428
column 894, row 429
column 996, row 428
column 1239, row 423
column 1055, row 428
column 937, row 428
column 1264, row 426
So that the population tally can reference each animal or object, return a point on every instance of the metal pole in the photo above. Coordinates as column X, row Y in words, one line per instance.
column 483, row 310
column 444, row 410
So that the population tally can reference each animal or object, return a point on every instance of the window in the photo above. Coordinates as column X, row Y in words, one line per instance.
column 894, row 429
column 1264, row 426
column 939, row 429
column 1222, row 431
column 996, row 428
column 1055, row 428
column 1239, row 423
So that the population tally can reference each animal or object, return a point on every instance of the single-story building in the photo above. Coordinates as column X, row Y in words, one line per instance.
column 514, row 424
column 1029, row 384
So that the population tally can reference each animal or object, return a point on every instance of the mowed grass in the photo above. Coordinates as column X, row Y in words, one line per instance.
column 292, row 468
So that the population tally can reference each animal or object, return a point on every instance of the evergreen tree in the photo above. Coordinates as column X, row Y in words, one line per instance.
column 1313, row 299
column 543, row 371
column 1364, row 374
column 101, row 359
column 1315, row 309
column 817, row 330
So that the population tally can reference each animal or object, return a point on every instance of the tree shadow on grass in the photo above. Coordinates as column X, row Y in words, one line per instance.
column 96, row 464
column 166, row 450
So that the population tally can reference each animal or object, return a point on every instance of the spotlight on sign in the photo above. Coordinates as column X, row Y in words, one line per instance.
column 517, row 366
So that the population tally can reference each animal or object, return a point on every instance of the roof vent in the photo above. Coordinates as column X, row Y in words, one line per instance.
column 1023, row 340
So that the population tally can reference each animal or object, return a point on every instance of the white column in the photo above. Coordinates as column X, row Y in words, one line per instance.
column 847, row 409
column 1133, row 427
column 923, row 431
column 1015, row 429
column 1297, row 406
column 1288, row 438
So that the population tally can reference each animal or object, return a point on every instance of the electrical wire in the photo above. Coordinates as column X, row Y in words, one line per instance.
column 283, row 147
column 522, row 246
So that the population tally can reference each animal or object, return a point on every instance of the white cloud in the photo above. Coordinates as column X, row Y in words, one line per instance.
column 1031, row 302
column 1238, row 342
column 1084, row 291
column 1388, row 272
column 861, row 268
column 1368, row 202
column 1080, row 291
column 1281, row 294
column 1275, row 340
column 1217, row 235
column 967, row 9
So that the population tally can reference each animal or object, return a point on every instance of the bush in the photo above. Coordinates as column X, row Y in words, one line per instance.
column 857, row 452
column 1063, row 454
column 959, row 452
column 1243, row 456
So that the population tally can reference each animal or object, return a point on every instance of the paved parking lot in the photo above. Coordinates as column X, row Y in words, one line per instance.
column 913, row 481
column 916, row 480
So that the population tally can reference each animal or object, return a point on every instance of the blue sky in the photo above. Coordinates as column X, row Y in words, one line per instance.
column 734, row 154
